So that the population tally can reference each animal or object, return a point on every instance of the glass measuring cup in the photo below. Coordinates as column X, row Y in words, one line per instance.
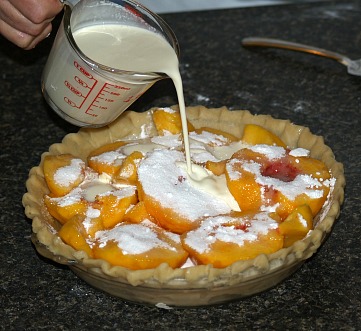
column 88, row 93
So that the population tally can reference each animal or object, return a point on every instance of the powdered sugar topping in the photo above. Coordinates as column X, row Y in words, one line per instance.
column 272, row 152
column 167, row 183
column 301, row 184
column 208, row 138
column 65, row 176
column 111, row 157
column 299, row 152
column 69, row 199
column 132, row 238
column 221, row 228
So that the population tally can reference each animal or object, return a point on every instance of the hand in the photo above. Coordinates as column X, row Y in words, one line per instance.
column 26, row 22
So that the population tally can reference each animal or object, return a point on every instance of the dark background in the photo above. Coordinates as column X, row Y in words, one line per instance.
column 325, row 294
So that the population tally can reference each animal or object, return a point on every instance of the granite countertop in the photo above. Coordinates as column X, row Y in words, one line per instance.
column 325, row 294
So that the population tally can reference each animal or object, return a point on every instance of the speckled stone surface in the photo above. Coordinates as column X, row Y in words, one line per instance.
column 325, row 294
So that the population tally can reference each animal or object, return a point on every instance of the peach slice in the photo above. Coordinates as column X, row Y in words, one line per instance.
column 241, row 183
column 139, row 246
column 270, row 176
column 296, row 225
column 64, row 208
column 315, row 173
column 286, row 206
column 113, row 205
column 230, row 137
column 169, row 196
column 106, row 159
column 223, row 240
column 169, row 121
column 312, row 166
column 167, row 217
column 128, row 170
column 254, row 134
column 63, row 173
column 137, row 214
column 217, row 168
column 74, row 234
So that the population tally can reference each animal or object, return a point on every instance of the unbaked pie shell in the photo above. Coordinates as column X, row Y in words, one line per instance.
column 197, row 285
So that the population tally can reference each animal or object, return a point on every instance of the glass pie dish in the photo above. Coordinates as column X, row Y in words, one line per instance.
column 191, row 286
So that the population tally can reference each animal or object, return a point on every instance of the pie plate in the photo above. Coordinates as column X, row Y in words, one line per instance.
column 192, row 286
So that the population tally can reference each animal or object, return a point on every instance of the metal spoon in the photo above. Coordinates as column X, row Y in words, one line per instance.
column 353, row 66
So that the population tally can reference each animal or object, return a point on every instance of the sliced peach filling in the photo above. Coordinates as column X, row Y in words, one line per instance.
column 63, row 210
column 255, row 181
column 296, row 226
column 138, row 214
column 113, row 206
column 254, row 135
column 75, row 235
column 127, row 172
column 139, row 246
column 167, row 217
column 223, row 240
column 138, row 230
column 229, row 137
column 168, row 121
column 63, row 173
column 107, row 159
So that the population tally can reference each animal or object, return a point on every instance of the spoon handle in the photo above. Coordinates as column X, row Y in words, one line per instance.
column 276, row 43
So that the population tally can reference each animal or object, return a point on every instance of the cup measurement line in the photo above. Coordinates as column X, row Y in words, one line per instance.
column 105, row 95
column 93, row 82
column 82, row 88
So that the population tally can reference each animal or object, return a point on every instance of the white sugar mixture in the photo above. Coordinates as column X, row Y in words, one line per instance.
column 67, row 175
column 132, row 238
column 164, row 181
column 216, row 229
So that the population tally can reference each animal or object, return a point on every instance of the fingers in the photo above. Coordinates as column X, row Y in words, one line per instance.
column 22, row 39
column 37, row 11
column 27, row 22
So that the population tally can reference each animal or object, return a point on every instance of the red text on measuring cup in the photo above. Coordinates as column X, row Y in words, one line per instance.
column 95, row 96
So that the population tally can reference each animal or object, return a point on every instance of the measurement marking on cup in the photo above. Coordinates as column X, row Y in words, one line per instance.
column 81, row 82
column 92, row 96
column 106, row 95
column 82, row 70
column 73, row 89
column 81, row 87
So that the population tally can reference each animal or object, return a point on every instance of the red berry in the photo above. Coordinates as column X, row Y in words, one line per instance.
column 282, row 170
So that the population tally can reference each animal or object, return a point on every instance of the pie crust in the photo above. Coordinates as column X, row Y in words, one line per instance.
column 197, row 285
